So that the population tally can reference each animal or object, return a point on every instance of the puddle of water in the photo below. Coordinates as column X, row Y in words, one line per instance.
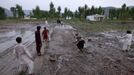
column 27, row 37
column 7, row 39
column 8, row 34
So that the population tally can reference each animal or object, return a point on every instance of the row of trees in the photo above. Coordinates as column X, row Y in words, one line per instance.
column 81, row 12
column 52, row 13
column 84, row 11
column 17, row 11
column 123, row 13
column 2, row 13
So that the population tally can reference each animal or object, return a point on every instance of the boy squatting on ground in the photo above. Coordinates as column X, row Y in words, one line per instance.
column 80, row 44
column 23, row 57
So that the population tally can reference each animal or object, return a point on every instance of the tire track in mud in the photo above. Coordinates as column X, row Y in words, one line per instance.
column 113, row 57
column 100, row 60
column 7, row 60
column 8, row 64
column 105, row 60
column 59, row 45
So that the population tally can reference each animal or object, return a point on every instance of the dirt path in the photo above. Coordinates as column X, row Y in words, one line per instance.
column 8, row 33
column 61, row 45
column 102, row 56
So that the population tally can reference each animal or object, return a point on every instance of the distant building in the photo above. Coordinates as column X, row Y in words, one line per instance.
column 96, row 17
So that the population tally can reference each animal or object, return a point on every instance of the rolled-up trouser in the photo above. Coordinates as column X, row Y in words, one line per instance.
column 28, row 62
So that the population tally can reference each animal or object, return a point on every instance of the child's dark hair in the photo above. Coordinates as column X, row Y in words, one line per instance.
column 129, row 32
column 76, row 34
column 18, row 39
column 45, row 28
column 38, row 27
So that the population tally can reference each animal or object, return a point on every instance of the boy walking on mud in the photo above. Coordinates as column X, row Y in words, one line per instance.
column 46, row 22
column 38, row 40
column 23, row 57
column 127, row 41
column 45, row 34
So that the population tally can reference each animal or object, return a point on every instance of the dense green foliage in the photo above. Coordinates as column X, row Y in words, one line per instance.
column 2, row 13
column 123, row 13
column 20, row 12
column 14, row 11
column 17, row 11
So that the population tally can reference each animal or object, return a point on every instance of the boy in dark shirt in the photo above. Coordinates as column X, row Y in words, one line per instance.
column 38, row 40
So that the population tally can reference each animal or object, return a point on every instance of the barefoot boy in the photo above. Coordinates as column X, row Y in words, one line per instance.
column 23, row 56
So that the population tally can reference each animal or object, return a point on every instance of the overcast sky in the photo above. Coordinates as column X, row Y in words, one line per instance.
column 71, row 4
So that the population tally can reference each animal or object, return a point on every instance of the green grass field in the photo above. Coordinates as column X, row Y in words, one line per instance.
column 83, row 25
column 101, row 26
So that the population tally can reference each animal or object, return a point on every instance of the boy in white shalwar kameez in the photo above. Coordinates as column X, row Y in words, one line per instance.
column 23, row 56
column 46, row 22
column 127, row 41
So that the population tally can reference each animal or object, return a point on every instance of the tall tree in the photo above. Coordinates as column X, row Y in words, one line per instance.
column 112, row 13
column 132, row 13
column 100, row 11
column 81, row 12
column 36, row 12
column 85, row 10
column 88, row 11
column 124, row 12
column 124, row 7
column 76, row 14
column 92, row 10
column 2, row 13
column 52, row 10
column 70, row 13
column 59, row 11
column 20, row 12
column 65, row 12
column 13, row 10
column 118, row 12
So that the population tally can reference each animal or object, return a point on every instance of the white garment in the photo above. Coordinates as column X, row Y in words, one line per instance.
column 46, row 22
column 127, row 41
column 23, row 57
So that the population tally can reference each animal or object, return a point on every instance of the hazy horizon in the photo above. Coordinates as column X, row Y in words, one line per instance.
column 71, row 4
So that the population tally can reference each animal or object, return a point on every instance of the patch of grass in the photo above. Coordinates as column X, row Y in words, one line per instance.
column 15, row 21
column 100, row 26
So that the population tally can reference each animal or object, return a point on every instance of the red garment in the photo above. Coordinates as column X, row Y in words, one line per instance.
column 45, row 34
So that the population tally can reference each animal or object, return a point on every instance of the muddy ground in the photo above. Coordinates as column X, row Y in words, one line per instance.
column 102, row 55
